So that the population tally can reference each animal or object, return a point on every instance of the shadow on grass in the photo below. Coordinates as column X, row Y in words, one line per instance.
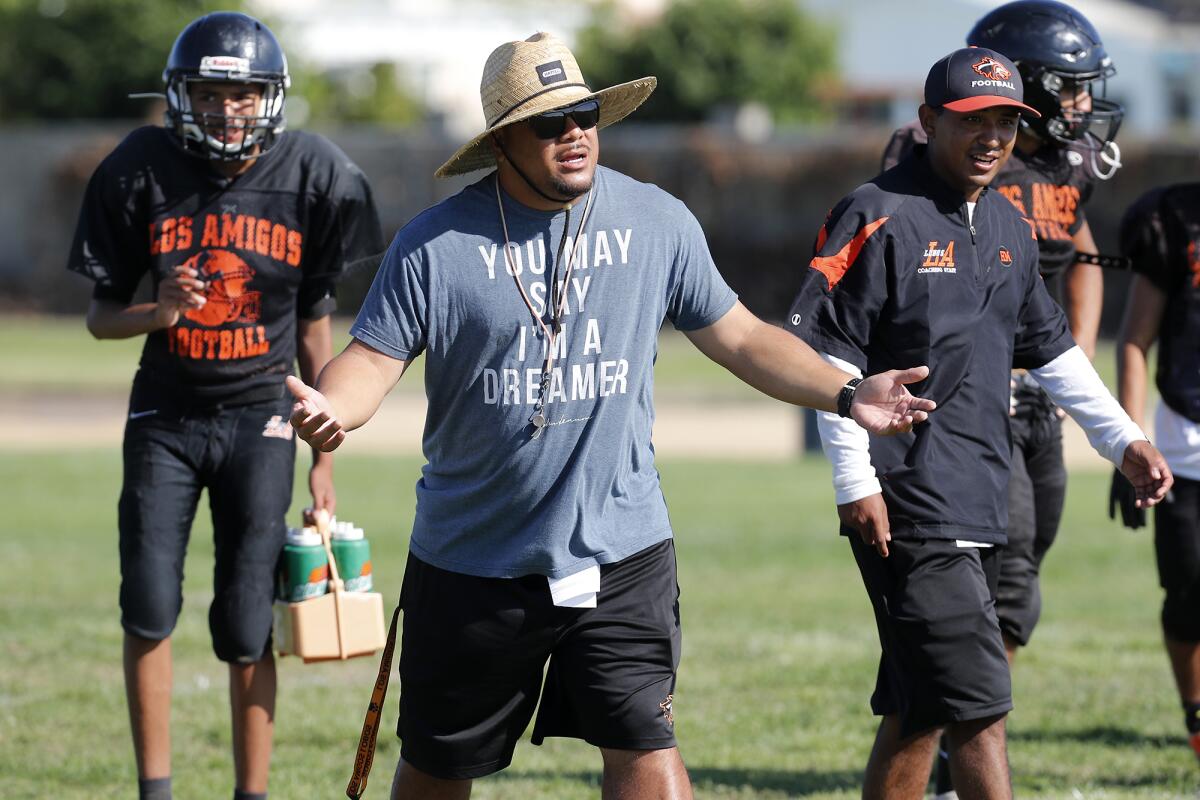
column 794, row 784
column 1106, row 735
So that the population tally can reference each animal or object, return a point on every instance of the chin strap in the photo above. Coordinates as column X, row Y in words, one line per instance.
column 525, row 177
column 1107, row 262
column 1110, row 156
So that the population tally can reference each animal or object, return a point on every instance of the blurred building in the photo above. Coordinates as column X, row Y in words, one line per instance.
column 887, row 48
column 439, row 46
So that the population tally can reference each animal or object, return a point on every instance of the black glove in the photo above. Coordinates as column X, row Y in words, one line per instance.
column 1122, row 494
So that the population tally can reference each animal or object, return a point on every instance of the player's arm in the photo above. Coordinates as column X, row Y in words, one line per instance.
column 314, row 349
column 781, row 365
column 180, row 291
column 1084, row 285
column 347, row 394
column 1143, row 316
column 1139, row 330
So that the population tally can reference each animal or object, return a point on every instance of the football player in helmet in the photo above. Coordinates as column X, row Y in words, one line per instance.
column 243, row 274
column 226, row 78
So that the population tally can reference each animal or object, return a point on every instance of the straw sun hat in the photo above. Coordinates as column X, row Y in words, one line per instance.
column 523, row 79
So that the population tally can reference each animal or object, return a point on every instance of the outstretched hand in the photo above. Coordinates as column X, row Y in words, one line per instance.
column 1147, row 470
column 313, row 417
column 884, row 406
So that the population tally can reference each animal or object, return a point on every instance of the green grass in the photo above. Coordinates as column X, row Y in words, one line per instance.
column 779, row 651
column 56, row 354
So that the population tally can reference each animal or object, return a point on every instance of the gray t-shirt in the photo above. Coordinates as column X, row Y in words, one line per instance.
column 492, row 501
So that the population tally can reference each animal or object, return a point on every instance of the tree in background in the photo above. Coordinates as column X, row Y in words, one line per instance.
column 371, row 93
column 713, row 56
column 81, row 58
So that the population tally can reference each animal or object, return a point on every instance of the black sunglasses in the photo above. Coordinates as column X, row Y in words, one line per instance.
column 551, row 124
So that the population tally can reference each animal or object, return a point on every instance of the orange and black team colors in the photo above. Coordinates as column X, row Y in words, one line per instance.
column 1049, row 188
column 268, row 246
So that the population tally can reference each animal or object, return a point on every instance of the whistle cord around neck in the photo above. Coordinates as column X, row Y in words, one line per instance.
column 538, row 419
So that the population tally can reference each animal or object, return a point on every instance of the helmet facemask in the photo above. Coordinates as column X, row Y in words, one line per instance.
column 1089, row 125
column 219, row 136
column 196, row 130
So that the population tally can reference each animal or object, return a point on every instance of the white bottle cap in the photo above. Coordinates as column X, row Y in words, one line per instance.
column 346, row 532
column 303, row 537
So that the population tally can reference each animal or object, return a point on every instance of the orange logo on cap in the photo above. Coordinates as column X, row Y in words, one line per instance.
column 992, row 69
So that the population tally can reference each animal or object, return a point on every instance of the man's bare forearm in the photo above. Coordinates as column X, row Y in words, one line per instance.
column 314, row 349
column 106, row 320
column 778, row 364
column 1132, row 374
column 770, row 359
column 1084, row 296
column 356, row 381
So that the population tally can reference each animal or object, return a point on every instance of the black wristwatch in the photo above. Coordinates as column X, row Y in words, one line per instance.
column 846, row 396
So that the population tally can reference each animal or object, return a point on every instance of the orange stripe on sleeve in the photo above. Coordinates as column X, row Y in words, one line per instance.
column 834, row 267
column 822, row 236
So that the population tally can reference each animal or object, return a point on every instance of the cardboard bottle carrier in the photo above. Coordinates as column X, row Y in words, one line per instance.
column 333, row 626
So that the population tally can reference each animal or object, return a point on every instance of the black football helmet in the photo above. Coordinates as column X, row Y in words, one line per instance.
column 229, row 47
column 1059, row 54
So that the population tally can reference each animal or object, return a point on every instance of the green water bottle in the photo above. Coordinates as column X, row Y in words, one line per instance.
column 353, row 556
column 305, row 570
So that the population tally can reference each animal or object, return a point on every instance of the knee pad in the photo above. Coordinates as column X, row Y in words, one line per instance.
column 1181, row 614
column 240, row 622
column 150, row 602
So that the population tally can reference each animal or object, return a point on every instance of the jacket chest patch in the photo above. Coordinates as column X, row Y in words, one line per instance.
column 938, row 258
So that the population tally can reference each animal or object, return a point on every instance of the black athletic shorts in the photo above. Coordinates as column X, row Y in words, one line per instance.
column 244, row 456
column 943, row 658
column 474, row 649
column 1177, row 545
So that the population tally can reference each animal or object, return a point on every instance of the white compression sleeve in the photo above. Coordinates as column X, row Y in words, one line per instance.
column 847, row 447
column 1073, row 385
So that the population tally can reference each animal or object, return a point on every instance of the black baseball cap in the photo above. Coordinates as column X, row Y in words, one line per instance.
column 973, row 78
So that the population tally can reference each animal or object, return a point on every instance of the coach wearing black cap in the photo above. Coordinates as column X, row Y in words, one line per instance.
column 923, row 265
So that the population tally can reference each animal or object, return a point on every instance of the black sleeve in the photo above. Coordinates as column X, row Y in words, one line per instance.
column 110, row 245
column 345, row 233
column 901, row 144
column 1144, row 240
column 1043, row 333
column 846, row 285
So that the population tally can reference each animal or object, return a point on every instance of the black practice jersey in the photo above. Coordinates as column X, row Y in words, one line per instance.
column 269, row 244
column 1049, row 187
column 903, row 276
column 1161, row 234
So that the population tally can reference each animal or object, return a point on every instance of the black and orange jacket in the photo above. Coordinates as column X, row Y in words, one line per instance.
column 902, row 277
column 1050, row 187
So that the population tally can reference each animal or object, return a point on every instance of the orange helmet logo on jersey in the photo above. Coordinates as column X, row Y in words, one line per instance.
column 991, row 69
column 226, row 277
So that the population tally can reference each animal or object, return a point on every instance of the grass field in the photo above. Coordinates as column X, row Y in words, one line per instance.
column 778, row 663
column 55, row 354
column 779, row 648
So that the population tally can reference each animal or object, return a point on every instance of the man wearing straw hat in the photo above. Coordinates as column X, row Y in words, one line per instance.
column 541, row 533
